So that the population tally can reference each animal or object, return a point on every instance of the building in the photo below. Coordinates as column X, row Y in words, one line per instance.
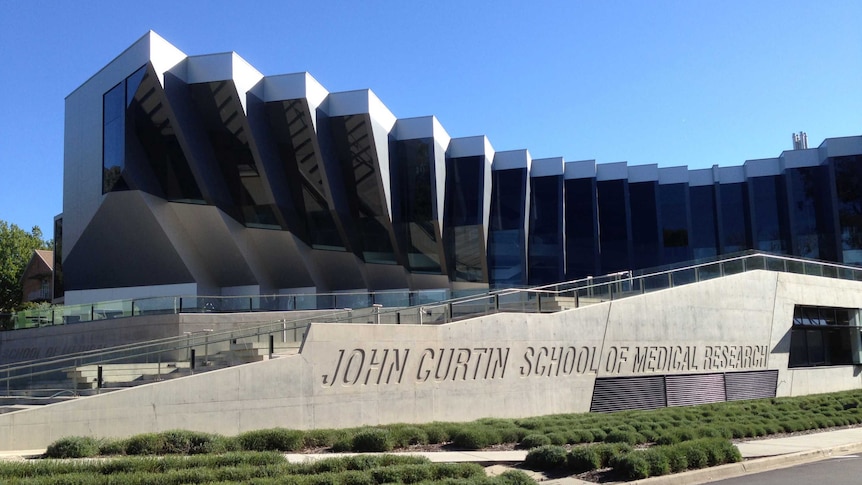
column 36, row 280
column 198, row 175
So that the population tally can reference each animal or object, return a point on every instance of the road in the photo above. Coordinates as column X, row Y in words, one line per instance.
column 838, row 470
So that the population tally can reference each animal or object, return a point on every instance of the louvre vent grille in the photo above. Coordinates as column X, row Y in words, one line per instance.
column 620, row 393
column 688, row 390
column 751, row 385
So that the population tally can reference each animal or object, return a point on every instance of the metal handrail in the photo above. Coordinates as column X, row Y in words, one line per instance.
column 179, row 343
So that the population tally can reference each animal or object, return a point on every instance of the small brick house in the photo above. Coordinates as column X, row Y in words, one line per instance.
column 37, row 277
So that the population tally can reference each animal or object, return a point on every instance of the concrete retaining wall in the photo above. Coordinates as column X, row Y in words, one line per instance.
column 505, row 365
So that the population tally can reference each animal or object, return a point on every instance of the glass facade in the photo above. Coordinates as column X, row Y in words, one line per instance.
column 464, row 231
column 615, row 243
column 414, row 212
column 810, row 211
column 734, row 225
column 506, row 237
column 582, row 228
column 643, row 206
column 848, row 180
column 545, row 243
column 675, row 222
column 704, row 222
column 292, row 129
column 353, row 141
column 223, row 120
column 769, row 222
column 341, row 183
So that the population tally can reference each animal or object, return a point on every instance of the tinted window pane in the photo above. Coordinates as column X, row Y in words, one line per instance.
column 734, row 217
column 293, row 132
column 464, row 233
column 848, row 180
column 770, row 227
column 158, row 149
column 224, row 121
column 113, row 138
column 614, row 225
column 412, row 189
column 810, row 213
column 704, row 230
column 353, row 141
column 582, row 249
column 546, row 230
column 644, row 217
column 674, row 209
column 506, row 239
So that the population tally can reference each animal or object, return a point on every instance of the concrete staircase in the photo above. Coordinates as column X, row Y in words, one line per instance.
column 133, row 374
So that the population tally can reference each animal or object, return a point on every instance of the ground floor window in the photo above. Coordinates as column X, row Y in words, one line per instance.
column 824, row 336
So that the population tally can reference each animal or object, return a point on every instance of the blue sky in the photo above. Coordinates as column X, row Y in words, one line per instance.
column 688, row 82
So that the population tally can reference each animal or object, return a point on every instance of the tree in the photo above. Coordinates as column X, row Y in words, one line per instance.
column 16, row 248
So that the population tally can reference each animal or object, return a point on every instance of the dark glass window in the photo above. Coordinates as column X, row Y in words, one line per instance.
column 644, row 218
column 114, row 138
column 704, row 228
column 823, row 336
column 506, row 238
column 464, row 231
column 674, row 217
column 848, row 180
column 614, row 225
column 292, row 128
column 224, row 120
column 769, row 224
column 734, row 217
column 156, row 149
column 353, row 141
column 582, row 230
column 545, row 246
column 810, row 212
column 413, row 192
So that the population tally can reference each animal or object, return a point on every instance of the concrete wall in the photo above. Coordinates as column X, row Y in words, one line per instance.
column 505, row 365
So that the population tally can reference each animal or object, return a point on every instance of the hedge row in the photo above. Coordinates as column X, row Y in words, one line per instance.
column 666, row 426
column 635, row 464
column 251, row 467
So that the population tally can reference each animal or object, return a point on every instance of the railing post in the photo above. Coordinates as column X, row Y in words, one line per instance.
column 99, row 379
column 449, row 310
column 271, row 345
column 497, row 303
column 192, row 359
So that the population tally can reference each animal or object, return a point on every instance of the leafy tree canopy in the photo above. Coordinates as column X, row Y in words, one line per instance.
column 16, row 248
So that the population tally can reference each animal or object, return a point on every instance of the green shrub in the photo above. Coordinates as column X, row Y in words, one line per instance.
column 372, row 440
column 342, row 445
column 695, row 456
column 658, row 462
column 598, row 434
column 275, row 439
column 632, row 466
column 548, row 457
column 475, row 437
column 624, row 436
column 514, row 477
column 404, row 436
column 73, row 447
column 110, row 447
column 584, row 458
column 676, row 458
column 191, row 442
column 321, row 438
column 436, row 432
column 534, row 441
column 145, row 444
column 580, row 436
